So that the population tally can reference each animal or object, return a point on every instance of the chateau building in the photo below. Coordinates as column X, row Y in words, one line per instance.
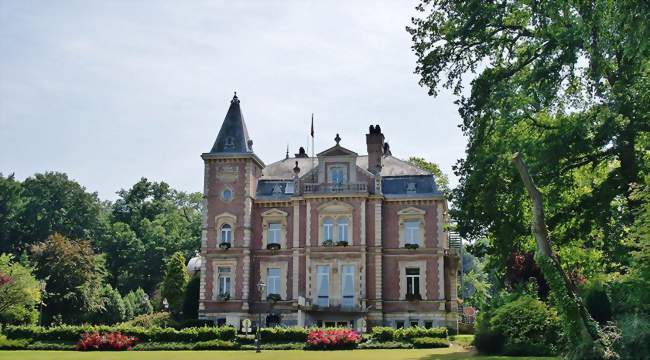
column 339, row 239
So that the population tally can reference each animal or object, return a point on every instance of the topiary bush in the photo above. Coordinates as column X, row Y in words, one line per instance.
column 429, row 343
column 523, row 326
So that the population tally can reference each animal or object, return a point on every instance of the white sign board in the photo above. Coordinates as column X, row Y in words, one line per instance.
column 246, row 325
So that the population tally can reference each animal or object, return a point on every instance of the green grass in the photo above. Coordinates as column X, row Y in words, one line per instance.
column 452, row 353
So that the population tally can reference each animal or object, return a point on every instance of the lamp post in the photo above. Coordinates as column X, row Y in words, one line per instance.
column 258, row 338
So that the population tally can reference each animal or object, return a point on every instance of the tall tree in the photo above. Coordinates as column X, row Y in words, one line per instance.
column 567, row 84
column 175, row 282
column 20, row 292
column 74, row 275
column 11, row 206
column 442, row 180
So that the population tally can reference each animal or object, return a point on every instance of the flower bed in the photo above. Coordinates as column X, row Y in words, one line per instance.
column 110, row 341
column 332, row 339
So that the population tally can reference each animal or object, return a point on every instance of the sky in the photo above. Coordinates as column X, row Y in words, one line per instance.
column 112, row 91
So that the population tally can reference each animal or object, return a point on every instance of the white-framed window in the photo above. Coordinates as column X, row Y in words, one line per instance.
column 328, row 229
column 412, row 281
column 274, row 231
column 342, row 224
column 347, row 286
column 412, row 232
column 272, row 281
column 323, row 285
column 224, row 280
column 226, row 233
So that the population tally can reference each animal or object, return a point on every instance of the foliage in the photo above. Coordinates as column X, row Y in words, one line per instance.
column 175, row 282
column 216, row 345
column 109, row 341
column 476, row 286
column 40, row 345
column 385, row 333
column 13, row 344
column 284, row 334
column 429, row 342
column 20, row 292
column 565, row 83
column 191, row 300
column 11, row 207
column 73, row 274
column 442, row 180
column 332, row 339
column 462, row 340
column 275, row 346
column 110, row 308
column 158, row 319
column 635, row 336
column 148, row 334
column 385, row 345
column 517, row 325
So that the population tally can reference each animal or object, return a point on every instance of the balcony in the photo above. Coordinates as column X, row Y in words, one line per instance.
column 327, row 188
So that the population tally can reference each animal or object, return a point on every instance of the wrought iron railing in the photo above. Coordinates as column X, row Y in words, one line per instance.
column 327, row 188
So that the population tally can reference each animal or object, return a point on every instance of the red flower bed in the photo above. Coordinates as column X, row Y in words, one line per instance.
column 333, row 339
column 111, row 341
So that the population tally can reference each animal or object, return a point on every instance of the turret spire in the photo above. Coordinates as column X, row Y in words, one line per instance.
column 233, row 136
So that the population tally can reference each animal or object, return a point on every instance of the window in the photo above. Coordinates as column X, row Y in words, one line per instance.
column 412, row 281
column 337, row 175
column 323, row 285
column 328, row 229
column 226, row 195
column 224, row 281
column 274, row 233
column 399, row 324
column 412, row 229
column 428, row 324
column 342, row 224
column 414, row 323
column 347, row 286
column 272, row 281
column 226, row 233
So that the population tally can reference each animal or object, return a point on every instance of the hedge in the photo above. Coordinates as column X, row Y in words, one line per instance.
column 216, row 345
column 387, row 334
column 429, row 342
column 156, row 346
column 385, row 345
column 275, row 346
column 13, row 344
column 152, row 334
column 284, row 334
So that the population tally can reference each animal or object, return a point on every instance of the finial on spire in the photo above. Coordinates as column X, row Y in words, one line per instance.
column 337, row 139
column 286, row 156
column 235, row 98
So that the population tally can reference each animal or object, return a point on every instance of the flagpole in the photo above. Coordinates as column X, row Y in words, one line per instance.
column 312, row 148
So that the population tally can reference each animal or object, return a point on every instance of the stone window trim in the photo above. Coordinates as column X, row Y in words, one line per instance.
column 283, row 266
column 222, row 219
column 335, row 210
column 422, row 265
column 216, row 264
column 335, row 280
column 222, row 193
column 411, row 214
column 274, row 216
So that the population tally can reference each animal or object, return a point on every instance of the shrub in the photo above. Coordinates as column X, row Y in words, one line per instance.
column 385, row 345
column 167, row 346
column 523, row 326
column 191, row 301
column 110, row 341
column 385, row 333
column 39, row 345
column 161, row 319
column 273, row 346
column 332, row 339
column 462, row 340
column 216, row 345
column 635, row 336
column 190, row 323
column 429, row 342
column 13, row 344
column 284, row 334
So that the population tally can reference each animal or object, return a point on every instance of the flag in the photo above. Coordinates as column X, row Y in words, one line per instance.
column 312, row 125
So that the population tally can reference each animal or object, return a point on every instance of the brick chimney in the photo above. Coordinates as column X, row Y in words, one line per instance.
column 375, row 143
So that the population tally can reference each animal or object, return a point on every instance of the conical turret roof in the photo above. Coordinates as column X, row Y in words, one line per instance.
column 233, row 136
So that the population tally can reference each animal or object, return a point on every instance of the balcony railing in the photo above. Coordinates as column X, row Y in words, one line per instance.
column 327, row 188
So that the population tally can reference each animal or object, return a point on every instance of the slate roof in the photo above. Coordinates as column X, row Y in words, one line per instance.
column 283, row 169
column 233, row 136
column 405, row 186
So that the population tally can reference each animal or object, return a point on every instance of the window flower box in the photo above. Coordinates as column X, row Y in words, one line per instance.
column 273, row 246
column 328, row 243
column 411, row 246
column 342, row 243
column 223, row 297
column 273, row 298
column 413, row 297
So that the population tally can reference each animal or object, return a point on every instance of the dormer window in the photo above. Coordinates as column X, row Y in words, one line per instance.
column 229, row 144
column 337, row 175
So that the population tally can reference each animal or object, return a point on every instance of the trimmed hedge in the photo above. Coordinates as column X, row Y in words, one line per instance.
column 216, row 345
column 156, row 346
column 429, row 343
column 13, row 344
column 153, row 334
column 272, row 346
column 284, row 334
column 387, row 334
column 39, row 345
column 385, row 345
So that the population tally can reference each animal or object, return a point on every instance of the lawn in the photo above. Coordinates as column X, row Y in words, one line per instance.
column 452, row 353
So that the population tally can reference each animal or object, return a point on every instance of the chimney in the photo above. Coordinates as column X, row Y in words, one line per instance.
column 375, row 143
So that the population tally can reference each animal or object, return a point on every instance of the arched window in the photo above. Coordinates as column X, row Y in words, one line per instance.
column 226, row 233
column 342, row 224
column 328, row 229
